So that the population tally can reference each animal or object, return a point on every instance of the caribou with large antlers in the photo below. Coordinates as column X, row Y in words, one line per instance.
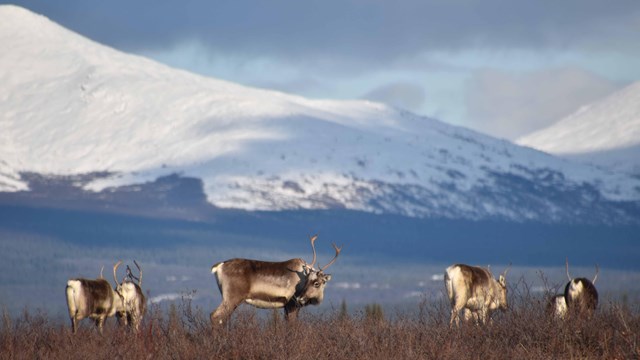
column 134, row 301
column 475, row 290
column 94, row 299
column 289, row 284
column 580, row 294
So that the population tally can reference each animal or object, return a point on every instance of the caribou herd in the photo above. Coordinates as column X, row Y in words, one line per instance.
column 294, row 283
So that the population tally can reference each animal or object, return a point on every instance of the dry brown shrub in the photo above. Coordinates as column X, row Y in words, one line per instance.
column 523, row 332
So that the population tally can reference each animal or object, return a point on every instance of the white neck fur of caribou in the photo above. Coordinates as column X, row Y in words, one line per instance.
column 289, row 284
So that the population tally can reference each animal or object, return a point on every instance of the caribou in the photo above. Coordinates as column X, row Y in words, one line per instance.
column 474, row 290
column 289, row 284
column 580, row 294
column 134, row 301
column 557, row 306
column 94, row 299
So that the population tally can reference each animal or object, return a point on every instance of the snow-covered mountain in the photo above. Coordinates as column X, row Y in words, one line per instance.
column 71, row 106
column 605, row 133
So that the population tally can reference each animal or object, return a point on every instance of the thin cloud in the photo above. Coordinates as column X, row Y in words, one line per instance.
column 509, row 106
column 376, row 31
column 403, row 95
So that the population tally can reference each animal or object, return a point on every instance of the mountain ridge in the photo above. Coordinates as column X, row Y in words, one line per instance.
column 605, row 133
column 75, row 107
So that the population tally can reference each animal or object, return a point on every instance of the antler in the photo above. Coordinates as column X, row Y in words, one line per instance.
column 101, row 270
column 338, row 249
column 504, row 273
column 130, row 274
column 567, row 265
column 139, row 273
column 133, row 277
column 596, row 276
column 313, row 246
column 115, row 268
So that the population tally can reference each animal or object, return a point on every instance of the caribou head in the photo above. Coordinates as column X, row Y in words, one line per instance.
column 312, row 293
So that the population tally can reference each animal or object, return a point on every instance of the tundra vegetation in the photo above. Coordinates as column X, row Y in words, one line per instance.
column 524, row 331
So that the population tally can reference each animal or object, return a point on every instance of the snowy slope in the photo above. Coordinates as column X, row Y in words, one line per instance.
column 606, row 133
column 71, row 106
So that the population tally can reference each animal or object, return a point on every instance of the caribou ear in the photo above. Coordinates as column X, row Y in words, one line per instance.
column 327, row 277
column 503, row 281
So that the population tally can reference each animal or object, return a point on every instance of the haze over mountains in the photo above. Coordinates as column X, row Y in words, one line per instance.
column 605, row 133
column 74, row 107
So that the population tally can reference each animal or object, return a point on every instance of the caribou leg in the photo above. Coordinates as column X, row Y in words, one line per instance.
column 74, row 324
column 468, row 315
column 122, row 318
column 482, row 315
column 223, row 312
column 135, row 320
column 100, row 322
column 291, row 311
column 455, row 316
column 457, row 304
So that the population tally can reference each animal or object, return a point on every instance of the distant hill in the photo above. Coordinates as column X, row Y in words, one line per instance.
column 605, row 133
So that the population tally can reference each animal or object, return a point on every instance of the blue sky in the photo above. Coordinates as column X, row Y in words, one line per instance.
column 502, row 67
